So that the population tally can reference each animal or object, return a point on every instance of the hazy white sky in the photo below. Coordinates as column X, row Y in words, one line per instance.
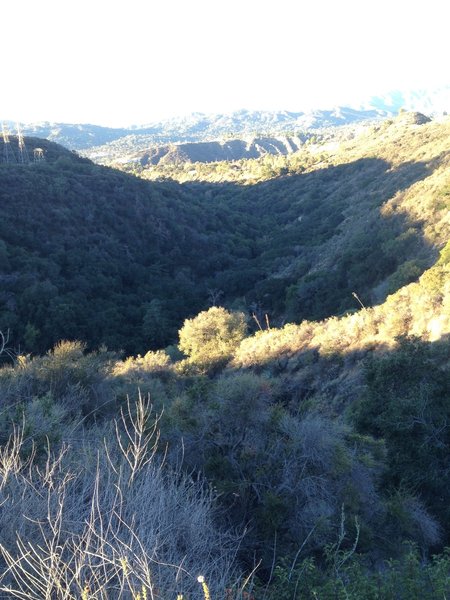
column 135, row 61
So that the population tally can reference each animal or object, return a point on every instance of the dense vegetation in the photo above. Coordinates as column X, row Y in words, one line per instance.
column 313, row 454
column 93, row 254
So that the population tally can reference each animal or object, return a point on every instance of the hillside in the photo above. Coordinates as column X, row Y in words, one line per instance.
column 83, row 241
column 319, row 148
column 198, row 151
column 88, row 251
column 138, row 153
column 256, row 379
column 368, row 200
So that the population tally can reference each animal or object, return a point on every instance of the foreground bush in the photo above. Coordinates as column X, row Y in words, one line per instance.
column 74, row 378
column 107, row 521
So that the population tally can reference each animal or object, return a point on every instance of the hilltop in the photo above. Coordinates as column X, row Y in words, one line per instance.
column 116, row 154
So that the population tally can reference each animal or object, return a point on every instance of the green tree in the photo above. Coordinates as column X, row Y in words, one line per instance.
column 210, row 338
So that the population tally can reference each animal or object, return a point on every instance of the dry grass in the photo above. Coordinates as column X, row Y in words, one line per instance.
column 97, row 522
column 420, row 309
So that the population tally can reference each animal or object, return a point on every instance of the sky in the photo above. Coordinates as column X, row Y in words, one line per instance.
column 118, row 63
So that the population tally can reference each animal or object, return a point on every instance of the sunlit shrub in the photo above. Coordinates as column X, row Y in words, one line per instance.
column 210, row 338
column 151, row 362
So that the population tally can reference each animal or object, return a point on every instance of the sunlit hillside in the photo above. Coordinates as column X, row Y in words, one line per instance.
column 366, row 216
column 421, row 308
column 412, row 301
column 329, row 146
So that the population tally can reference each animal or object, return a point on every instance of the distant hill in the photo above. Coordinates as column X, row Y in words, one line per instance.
column 73, row 136
column 213, row 126
column 191, row 152
column 200, row 127
column 197, row 127
column 215, row 143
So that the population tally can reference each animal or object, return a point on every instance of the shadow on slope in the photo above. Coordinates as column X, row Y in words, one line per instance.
column 320, row 236
column 92, row 253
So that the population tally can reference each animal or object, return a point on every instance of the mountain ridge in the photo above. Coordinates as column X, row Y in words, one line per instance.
column 199, row 126
column 190, row 152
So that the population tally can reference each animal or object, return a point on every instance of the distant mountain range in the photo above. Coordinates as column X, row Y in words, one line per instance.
column 235, row 135
column 198, row 127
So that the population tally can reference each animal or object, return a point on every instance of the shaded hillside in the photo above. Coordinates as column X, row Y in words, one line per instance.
column 87, row 253
column 91, row 253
